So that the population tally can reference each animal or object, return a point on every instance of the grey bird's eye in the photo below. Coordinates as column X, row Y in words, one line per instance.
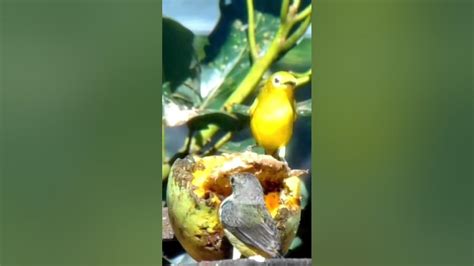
column 277, row 80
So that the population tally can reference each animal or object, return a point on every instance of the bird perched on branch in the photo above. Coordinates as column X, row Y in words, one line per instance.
column 247, row 223
column 273, row 113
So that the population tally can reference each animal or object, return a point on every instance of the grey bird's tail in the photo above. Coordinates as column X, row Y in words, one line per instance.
column 279, row 255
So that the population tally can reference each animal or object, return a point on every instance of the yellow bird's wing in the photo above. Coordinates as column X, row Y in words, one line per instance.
column 293, row 105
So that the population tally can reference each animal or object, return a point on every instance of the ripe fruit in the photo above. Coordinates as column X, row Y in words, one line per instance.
column 197, row 186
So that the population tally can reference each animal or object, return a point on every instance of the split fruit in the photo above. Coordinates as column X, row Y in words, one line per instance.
column 197, row 186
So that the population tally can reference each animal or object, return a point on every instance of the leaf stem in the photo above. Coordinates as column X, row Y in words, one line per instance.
column 299, row 75
column 165, row 171
column 284, row 10
column 296, row 4
column 165, row 166
column 219, row 143
column 303, row 14
column 251, row 30
column 303, row 78
column 297, row 34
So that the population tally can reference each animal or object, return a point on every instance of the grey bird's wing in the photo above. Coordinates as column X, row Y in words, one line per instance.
column 253, row 225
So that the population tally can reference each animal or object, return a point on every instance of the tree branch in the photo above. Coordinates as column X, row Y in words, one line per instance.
column 295, row 5
column 284, row 10
column 219, row 144
column 297, row 34
column 251, row 30
column 303, row 14
column 303, row 78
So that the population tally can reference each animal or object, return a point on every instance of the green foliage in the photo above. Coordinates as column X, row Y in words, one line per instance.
column 241, row 109
column 228, row 61
column 204, row 76
column 223, row 120
column 181, row 69
column 238, row 146
column 303, row 108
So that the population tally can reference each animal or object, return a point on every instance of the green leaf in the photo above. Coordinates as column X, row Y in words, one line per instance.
column 181, row 69
column 241, row 109
column 225, row 121
column 175, row 113
column 200, row 42
column 238, row 146
column 297, row 59
column 303, row 109
column 248, row 144
column 295, row 243
column 222, row 73
column 227, row 59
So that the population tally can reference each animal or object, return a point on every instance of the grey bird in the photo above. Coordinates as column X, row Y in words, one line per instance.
column 247, row 223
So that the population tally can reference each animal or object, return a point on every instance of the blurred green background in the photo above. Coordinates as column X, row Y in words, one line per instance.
column 80, row 134
column 393, row 132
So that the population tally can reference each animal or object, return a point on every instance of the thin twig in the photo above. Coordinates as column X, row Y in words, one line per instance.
column 303, row 78
column 165, row 171
column 284, row 10
column 296, row 5
column 219, row 143
column 165, row 166
column 303, row 14
column 297, row 34
column 251, row 30
column 299, row 74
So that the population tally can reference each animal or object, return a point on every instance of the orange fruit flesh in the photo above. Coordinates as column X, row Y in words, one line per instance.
column 272, row 200
column 215, row 189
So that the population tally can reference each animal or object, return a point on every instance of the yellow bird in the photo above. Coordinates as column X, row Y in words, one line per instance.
column 273, row 113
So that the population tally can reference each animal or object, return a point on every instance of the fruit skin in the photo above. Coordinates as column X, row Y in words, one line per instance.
column 195, row 224
column 194, row 215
